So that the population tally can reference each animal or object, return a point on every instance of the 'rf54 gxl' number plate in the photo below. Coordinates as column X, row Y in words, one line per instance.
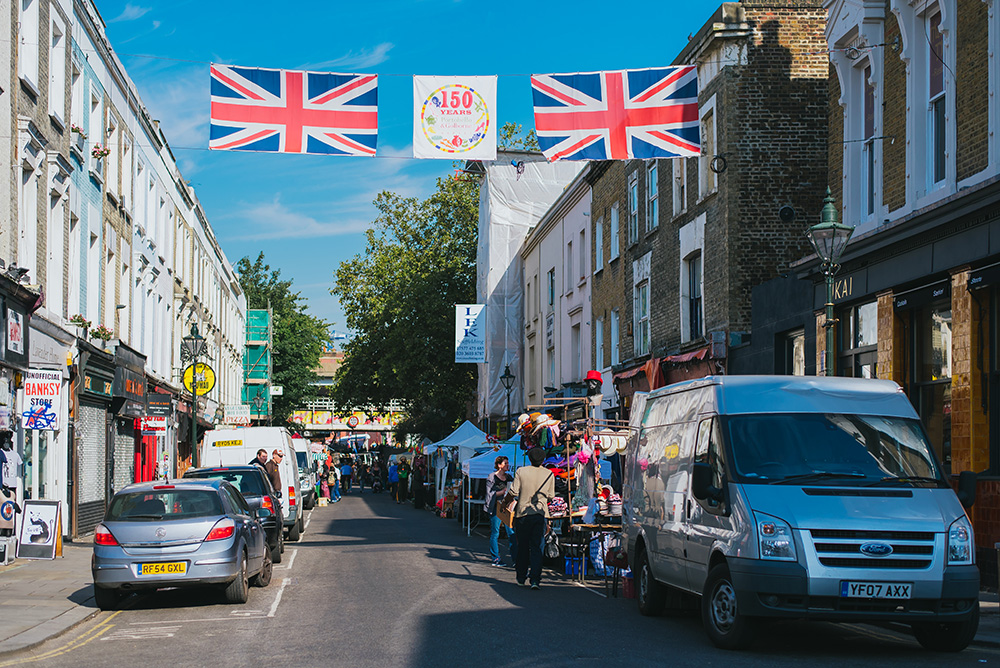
column 875, row 589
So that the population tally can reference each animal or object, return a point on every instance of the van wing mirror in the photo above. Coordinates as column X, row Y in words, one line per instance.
column 262, row 513
column 701, row 482
column 967, row 488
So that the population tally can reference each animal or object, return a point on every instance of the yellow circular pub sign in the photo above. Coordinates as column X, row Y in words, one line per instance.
column 203, row 374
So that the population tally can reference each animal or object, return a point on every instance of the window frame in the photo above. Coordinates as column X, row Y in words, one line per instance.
column 633, row 208
column 652, row 196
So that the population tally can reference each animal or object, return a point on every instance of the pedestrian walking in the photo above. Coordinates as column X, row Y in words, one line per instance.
column 534, row 486
column 360, row 470
column 404, row 481
column 496, row 486
column 334, row 480
column 393, row 478
column 346, row 471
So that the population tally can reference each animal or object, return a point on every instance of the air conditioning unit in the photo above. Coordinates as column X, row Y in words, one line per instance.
column 717, row 344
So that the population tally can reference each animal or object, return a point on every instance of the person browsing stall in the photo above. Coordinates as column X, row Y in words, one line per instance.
column 534, row 486
column 496, row 487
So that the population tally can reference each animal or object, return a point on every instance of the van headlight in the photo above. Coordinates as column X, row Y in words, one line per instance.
column 776, row 541
column 960, row 542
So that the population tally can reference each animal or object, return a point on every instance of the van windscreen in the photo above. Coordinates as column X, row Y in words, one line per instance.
column 831, row 447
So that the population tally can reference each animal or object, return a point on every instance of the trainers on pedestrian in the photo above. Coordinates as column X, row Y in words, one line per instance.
column 522, row 583
column 534, row 585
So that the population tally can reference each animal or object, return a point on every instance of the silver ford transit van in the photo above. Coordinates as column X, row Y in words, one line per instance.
column 797, row 497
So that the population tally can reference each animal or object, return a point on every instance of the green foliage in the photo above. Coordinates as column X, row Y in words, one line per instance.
column 399, row 297
column 509, row 137
column 297, row 336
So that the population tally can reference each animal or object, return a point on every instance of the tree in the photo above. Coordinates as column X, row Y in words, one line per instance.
column 399, row 297
column 297, row 336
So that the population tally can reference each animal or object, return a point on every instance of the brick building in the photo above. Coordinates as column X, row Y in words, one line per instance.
column 680, row 244
column 913, row 159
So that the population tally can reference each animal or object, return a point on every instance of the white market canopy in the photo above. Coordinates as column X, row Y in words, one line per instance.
column 467, row 439
column 481, row 466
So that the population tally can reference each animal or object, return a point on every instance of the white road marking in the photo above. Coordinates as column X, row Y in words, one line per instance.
column 592, row 591
column 255, row 614
column 308, row 520
column 277, row 599
column 142, row 634
column 291, row 560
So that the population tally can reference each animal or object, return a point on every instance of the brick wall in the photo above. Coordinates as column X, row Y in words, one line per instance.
column 608, row 284
column 835, row 155
column 893, row 121
column 972, row 92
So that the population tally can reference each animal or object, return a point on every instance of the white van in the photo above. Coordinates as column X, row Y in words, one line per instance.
column 797, row 497
column 237, row 447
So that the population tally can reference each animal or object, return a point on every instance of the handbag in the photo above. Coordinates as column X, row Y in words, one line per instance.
column 551, row 545
column 505, row 509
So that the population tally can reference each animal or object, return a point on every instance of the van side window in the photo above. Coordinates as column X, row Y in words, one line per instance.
column 709, row 451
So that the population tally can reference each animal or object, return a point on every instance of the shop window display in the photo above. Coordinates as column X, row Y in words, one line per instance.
column 931, row 376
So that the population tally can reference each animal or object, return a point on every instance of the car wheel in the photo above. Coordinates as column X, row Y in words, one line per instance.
column 238, row 589
column 263, row 578
column 309, row 502
column 293, row 533
column 106, row 599
column 650, row 594
column 948, row 636
column 302, row 524
column 726, row 626
column 278, row 549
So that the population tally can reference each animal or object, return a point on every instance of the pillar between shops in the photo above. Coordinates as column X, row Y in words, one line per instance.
column 820, row 347
column 891, row 341
column 970, row 436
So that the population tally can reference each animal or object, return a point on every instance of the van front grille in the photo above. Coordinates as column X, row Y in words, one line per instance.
column 839, row 548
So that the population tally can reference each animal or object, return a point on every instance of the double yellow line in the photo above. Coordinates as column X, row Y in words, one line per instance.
column 76, row 643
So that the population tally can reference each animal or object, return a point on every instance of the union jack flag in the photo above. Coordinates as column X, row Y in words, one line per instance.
column 651, row 113
column 286, row 111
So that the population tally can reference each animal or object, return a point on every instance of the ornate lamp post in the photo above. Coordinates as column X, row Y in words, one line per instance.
column 258, row 402
column 829, row 238
column 191, row 348
column 507, row 380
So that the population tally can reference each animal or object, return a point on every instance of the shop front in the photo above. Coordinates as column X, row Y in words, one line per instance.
column 128, row 404
column 92, row 454
column 45, row 415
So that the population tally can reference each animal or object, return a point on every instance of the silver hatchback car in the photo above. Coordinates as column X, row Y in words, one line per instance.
column 179, row 533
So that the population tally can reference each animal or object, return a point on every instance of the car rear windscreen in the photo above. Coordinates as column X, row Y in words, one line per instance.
column 166, row 504
column 303, row 459
column 250, row 483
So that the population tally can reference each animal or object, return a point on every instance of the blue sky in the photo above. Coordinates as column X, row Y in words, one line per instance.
column 308, row 213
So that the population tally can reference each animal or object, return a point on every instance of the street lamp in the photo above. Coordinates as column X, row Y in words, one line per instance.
column 258, row 402
column 191, row 348
column 829, row 238
column 507, row 380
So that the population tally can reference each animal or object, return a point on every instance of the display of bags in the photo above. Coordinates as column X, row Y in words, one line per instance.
column 551, row 550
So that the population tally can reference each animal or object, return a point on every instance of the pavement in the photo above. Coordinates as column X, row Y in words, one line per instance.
column 52, row 597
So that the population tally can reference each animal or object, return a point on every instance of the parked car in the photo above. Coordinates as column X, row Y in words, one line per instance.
column 256, row 488
column 233, row 447
column 181, row 533
column 797, row 497
column 307, row 473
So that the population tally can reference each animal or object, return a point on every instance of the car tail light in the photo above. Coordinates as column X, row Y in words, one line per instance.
column 267, row 503
column 102, row 536
column 291, row 495
column 223, row 529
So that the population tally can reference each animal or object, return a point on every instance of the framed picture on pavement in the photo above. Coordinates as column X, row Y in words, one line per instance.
column 40, row 528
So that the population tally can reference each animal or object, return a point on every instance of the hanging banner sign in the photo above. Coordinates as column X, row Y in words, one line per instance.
column 42, row 399
column 455, row 117
column 236, row 414
column 204, row 375
column 470, row 333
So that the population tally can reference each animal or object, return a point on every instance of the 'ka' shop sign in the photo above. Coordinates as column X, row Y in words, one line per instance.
column 42, row 399
column 470, row 333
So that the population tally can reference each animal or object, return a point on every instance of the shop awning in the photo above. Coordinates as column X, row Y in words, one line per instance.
column 699, row 354
column 922, row 295
column 984, row 277
column 631, row 373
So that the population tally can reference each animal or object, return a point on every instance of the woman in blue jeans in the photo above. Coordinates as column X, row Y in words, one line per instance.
column 496, row 486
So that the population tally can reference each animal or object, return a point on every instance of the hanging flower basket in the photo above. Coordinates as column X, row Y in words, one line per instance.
column 77, row 130
column 99, row 151
column 102, row 333
column 79, row 321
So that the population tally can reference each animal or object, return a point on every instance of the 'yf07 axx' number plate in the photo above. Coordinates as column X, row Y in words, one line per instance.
column 875, row 589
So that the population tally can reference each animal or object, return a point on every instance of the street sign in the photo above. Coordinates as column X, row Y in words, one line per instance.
column 236, row 414
column 152, row 424
column 352, row 421
column 205, row 375
column 277, row 390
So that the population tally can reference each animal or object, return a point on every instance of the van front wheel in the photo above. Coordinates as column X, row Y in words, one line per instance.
column 650, row 594
column 950, row 636
column 727, row 628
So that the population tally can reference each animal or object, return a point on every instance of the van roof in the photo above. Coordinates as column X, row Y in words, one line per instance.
column 801, row 394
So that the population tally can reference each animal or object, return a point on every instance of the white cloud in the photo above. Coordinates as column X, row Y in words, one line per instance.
column 131, row 13
column 274, row 220
column 359, row 59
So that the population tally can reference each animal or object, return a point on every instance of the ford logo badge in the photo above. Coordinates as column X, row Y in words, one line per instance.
column 876, row 549
column 161, row 533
